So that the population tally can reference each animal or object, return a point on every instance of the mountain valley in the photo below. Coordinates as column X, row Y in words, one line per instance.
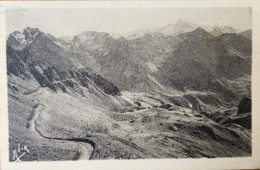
column 180, row 91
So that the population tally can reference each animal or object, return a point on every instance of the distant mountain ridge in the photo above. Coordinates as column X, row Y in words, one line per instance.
column 182, row 26
column 217, row 31
column 177, row 28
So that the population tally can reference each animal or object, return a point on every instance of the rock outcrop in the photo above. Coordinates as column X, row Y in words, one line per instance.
column 244, row 106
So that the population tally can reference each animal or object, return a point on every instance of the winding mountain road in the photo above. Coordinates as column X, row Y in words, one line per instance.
column 85, row 146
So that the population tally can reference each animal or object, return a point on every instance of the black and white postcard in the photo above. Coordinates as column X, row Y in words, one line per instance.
column 130, row 85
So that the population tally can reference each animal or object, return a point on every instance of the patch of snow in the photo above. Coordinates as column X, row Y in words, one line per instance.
column 19, row 37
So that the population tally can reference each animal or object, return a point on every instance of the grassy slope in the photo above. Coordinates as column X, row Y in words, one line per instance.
column 145, row 131
column 20, row 108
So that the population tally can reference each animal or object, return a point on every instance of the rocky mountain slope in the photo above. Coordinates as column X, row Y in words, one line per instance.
column 50, row 65
column 201, row 61
column 201, row 58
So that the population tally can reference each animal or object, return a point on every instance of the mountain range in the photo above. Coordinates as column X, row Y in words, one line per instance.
column 179, row 68
column 193, row 58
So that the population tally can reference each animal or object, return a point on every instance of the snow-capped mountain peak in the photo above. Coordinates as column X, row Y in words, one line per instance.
column 19, row 41
column 177, row 28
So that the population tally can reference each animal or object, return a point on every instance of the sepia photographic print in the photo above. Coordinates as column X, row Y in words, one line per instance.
column 128, row 83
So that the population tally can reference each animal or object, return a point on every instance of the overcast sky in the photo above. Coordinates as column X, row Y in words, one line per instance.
column 70, row 22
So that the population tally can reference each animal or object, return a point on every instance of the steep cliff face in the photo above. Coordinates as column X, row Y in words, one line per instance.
column 15, row 65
